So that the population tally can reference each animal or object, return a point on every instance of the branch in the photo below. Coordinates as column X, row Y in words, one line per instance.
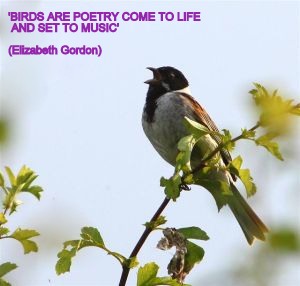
column 142, row 240
column 148, row 229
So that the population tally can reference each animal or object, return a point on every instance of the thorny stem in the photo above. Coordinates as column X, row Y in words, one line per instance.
column 161, row 208
column 142, row 240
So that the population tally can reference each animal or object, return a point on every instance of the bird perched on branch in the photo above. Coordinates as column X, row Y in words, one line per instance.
column 168, row 101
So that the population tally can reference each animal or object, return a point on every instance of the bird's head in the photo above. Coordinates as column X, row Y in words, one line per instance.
column 167, row 79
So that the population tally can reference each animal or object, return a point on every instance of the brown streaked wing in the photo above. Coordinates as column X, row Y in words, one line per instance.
column 202, row 117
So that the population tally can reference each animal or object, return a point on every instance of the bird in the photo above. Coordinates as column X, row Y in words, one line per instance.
column 168, row 102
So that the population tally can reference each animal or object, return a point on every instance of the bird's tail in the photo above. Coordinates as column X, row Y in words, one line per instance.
column 250, row 223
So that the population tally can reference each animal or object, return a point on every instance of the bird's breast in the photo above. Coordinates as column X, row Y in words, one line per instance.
column 167, row 128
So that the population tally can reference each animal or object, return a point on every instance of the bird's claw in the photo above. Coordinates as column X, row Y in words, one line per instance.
column 184, row 187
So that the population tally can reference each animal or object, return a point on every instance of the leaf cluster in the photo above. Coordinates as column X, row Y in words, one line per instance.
column 90, row 237
column 274, row 108
column 20, row 183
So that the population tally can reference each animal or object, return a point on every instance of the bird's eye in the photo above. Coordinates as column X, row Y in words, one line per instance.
column 172, row 75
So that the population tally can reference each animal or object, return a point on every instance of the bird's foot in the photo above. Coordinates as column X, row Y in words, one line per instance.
column 184, row 187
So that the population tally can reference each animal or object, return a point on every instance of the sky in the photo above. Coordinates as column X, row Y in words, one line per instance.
column 76, row 121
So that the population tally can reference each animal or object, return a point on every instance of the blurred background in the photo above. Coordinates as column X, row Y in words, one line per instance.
column 76, row 121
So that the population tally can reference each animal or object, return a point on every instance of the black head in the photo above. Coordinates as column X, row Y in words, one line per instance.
column 167, row 79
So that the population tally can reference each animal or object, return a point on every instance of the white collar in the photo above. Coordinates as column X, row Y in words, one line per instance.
column 184, row 90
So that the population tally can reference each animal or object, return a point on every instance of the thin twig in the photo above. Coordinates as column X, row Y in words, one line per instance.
column 142, row 240
column 219, row 148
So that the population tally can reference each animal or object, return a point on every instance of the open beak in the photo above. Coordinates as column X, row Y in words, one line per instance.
column 156, row 76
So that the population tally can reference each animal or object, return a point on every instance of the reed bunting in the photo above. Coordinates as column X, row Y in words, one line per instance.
column 168, row 101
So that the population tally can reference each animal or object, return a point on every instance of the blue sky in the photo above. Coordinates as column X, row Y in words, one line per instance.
column 77, row 122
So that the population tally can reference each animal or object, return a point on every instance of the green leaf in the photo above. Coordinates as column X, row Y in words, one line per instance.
column 243, row 174
column 271, row 146
column 226, row 140
column 3, row 220
column 64, row 262
column 147, row 277
column 23, row 235
column 11, row 176
column 186, row 143
column 1, row 180
column 172, row 186
column 206, row 177
column 193, row 232
column 3, row 231
column 193, row 256
column 73, row 243
column 63, row 265
column 28, row 182
column 274, row 109
column 24, row 174
column 93, row 235
column 34, row 190
column 146, row 274
column 235, row 165
column 154, row 224
column 185, row 147
column 90, row 237
column 6, row 268
column 195, row 128
column 248, row 134
column 247, row 180
column 29, row 246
